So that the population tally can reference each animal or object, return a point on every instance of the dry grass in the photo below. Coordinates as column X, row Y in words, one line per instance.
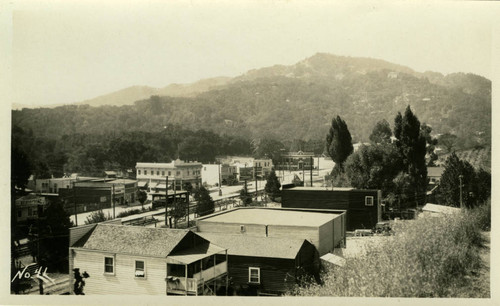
column 428, row 257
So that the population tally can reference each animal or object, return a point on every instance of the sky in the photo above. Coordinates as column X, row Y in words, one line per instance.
column 60, row 52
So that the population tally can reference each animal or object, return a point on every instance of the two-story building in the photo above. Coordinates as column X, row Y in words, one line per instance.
column 214, row 174
column 146, row 261
column 153, row 176
column 262, row 167
column 28, row 206
column 98, row 194
column 294, row 161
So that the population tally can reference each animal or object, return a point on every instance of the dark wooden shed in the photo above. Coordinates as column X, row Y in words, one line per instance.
column 264, row 265
column 362, row 205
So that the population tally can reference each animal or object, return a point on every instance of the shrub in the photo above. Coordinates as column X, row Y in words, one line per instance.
column 428, row 257
column 482, row 216
column 129, row 212
column 97, row 216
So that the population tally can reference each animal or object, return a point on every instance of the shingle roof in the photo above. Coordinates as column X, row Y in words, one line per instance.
column 134, row 240
column 244, row 245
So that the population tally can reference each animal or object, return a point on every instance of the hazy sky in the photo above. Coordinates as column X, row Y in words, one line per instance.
column 62, row 53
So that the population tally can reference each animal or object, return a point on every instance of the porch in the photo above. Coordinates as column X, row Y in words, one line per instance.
column 197, row 274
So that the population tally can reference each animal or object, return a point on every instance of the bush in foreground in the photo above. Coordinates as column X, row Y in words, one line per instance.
column 428, row 257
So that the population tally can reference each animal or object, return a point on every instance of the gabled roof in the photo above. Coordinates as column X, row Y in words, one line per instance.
column 244, row 245
column 196, row 253
column 135, row 240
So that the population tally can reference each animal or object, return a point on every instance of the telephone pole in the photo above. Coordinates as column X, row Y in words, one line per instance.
column 74, row 203
column 113, row 199
column 460, row 177
column 311, row 170
column 166, row 200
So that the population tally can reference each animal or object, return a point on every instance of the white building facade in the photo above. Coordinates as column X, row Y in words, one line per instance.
column 154, row 175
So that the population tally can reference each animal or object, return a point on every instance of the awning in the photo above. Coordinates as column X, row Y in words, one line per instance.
column 141, row 184
column 194, row 254
column 161, row 186
column 334, row 259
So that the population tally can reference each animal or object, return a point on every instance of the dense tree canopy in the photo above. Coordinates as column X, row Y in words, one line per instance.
column 381, row 132
column 373, row 167
column 476, row 186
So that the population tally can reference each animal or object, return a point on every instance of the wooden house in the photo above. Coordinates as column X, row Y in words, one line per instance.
column 265, row 265
column 363, row 206
column 325, row 229
column 148, row 261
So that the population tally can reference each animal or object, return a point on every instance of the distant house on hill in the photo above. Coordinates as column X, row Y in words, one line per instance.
column 434, row 174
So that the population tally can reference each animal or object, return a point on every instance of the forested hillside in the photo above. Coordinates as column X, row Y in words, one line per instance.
column 290, row 104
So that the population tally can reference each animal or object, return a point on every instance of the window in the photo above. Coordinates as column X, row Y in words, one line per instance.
column 145, row 172
column 254, row 275
column 163, row 173
column 157, row 172
column 19, row 213
column 169, row 173
column 109, row 265
column 140, row 270
column 188, row 172
column 369, row 201
column 178, row 173
column 139, row 172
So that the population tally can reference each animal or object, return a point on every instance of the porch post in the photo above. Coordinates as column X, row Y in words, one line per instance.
column 186, row 279
column 227, row 274
column 166, row 277
column 215, row 281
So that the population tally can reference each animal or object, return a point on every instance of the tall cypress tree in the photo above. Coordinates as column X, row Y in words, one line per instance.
column 411, row 144
column 339, row 141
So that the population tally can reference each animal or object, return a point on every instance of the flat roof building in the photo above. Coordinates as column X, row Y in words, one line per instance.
column 325, row 229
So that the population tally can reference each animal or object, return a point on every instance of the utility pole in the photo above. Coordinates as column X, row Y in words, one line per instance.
column 175, row 202
column 460, row 177
column 74, row 203
column 220, row 181
column 303, row 175
column 166, row 199
column 113, row 199
column 187, row 195
column 255, row 174
column 311, row 170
